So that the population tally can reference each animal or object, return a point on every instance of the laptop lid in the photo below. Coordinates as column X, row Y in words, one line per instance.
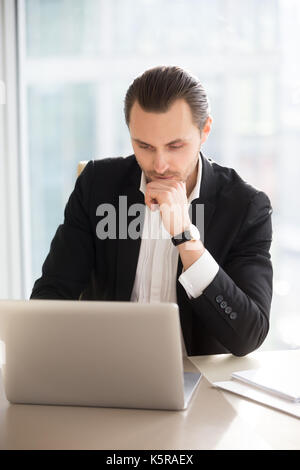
column 93, row 353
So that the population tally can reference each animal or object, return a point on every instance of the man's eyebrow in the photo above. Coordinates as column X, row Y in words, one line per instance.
column 176, row 141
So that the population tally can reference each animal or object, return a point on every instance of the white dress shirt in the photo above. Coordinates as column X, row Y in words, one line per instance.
column 155, row 279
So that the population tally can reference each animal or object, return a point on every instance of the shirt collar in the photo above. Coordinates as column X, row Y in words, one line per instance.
column 195, row 192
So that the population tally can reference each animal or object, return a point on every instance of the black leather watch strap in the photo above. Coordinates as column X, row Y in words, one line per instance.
column 181, row 238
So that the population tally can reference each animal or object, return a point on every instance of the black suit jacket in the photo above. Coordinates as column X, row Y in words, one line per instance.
column 237, row 232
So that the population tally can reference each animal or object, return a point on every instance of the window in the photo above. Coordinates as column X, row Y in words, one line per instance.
column 77, row 58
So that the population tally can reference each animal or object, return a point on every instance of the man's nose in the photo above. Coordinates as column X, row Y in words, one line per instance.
column 160, row 164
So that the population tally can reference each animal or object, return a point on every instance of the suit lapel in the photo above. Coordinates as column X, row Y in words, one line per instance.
column 128, row 248
column 207, row 194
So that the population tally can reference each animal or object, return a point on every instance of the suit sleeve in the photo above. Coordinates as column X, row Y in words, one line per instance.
column 68, row 266
column 235, row 307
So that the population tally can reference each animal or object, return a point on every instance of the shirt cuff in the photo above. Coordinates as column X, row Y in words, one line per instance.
column 199, row 275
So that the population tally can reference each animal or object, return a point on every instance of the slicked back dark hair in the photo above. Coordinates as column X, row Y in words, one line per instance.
column 157, row 89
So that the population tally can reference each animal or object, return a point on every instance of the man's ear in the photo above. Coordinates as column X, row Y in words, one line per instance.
column 206, row 129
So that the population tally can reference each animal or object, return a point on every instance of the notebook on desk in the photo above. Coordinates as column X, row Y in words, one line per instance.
column 107, row 354
column 273, row 387
column 283, row 383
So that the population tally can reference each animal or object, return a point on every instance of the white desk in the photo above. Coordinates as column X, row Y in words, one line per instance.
column 214, row 419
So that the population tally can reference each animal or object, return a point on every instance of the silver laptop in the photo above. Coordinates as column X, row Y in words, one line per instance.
column 94, row 353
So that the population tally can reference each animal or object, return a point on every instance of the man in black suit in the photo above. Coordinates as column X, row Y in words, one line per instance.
column 217, row 267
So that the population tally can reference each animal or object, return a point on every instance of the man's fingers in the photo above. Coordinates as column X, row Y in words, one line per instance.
column 150, row 200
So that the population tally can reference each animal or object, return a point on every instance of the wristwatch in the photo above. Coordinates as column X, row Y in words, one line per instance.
column 191, row 233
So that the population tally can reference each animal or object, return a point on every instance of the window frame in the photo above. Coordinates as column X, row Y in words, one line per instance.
column 11, row 267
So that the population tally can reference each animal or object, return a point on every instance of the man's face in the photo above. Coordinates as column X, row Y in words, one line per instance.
column 166, row 145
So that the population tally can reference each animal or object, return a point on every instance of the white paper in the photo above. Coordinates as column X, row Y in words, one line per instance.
column 260, row 396
column 284, row 383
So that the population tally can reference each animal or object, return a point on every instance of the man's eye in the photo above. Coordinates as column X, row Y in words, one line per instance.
column 174, row 147
column 144, row 146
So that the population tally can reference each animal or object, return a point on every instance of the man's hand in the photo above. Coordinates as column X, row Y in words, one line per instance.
column 171, row 197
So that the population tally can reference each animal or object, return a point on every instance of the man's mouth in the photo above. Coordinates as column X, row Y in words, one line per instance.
column 164, row 177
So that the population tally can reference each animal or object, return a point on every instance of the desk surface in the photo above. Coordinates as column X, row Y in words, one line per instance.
column 213, row 420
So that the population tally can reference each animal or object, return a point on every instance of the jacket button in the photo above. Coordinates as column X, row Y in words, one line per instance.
column 233, row 315
column 228, row 310
column 219, row 299
column 223, row 304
